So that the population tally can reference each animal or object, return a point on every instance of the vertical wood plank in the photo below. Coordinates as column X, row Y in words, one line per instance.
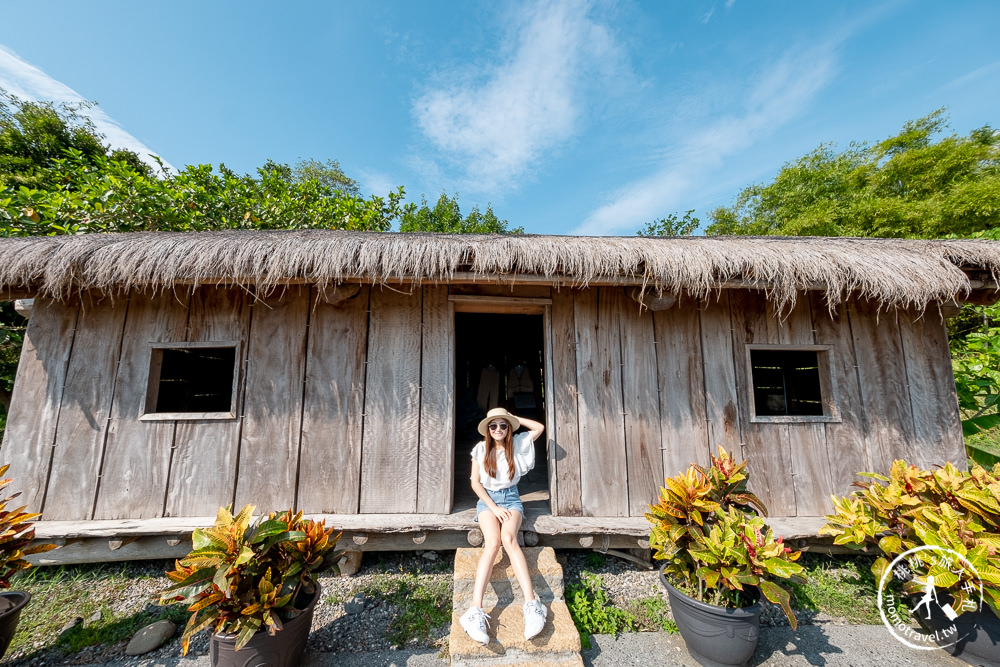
column 136, row 453
column 722, row 414
column 642, row 406
column 681, row 378
column 203, row 467
column 882, row 377
column 937, row 427
column 807, row 445
column 332, row 420
column 847, row 440
column 86, row 404
column 548, row 391
column 392, row 404
column 269, row 444
column 766, row 445
column 435, row 485
column 566, row 499
column 603, row 480
column 35, row 404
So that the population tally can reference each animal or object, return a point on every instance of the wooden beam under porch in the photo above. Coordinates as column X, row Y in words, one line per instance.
column 170, row 537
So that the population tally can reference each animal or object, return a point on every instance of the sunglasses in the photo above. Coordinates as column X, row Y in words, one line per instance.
column 498, row 426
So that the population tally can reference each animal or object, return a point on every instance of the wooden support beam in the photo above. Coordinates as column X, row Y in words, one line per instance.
column 89, row 541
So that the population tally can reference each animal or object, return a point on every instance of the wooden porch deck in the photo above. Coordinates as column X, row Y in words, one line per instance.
column 142, row 539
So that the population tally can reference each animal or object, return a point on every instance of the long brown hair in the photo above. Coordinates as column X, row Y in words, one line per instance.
column 490, row 460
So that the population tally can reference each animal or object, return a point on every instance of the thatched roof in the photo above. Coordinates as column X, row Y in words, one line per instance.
column 905, row 273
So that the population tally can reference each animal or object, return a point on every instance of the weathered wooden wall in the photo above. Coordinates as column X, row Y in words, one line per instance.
column 641, row 394
column 345, row 405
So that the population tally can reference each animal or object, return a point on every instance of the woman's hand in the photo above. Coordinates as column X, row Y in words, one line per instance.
column 502, row 513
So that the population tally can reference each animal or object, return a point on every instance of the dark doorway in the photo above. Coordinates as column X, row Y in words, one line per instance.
column 499, row 362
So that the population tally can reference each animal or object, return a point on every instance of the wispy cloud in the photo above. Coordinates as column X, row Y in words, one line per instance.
column 498, row 124
column 30, row 83
column 985, row 72
column 781, row 92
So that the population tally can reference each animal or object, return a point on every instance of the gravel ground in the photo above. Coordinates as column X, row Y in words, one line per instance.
column 337, row 631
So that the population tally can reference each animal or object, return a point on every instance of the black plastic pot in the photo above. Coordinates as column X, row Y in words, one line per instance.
column 715, row 636
column 975, row 636
column 11, row 604
column 282, row 649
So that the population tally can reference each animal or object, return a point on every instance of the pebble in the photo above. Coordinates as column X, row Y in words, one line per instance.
column 356, row 604
column 69, row 626
column 151, row 637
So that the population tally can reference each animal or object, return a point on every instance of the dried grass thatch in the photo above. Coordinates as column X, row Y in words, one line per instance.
column 899, row 273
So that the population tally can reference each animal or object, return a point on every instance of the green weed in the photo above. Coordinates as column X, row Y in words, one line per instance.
column 840, row 586
column 652, row 613
column 422, row 606
column 593, row 612
column 61, row 595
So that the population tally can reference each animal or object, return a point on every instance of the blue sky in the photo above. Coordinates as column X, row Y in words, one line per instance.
column 567, row 117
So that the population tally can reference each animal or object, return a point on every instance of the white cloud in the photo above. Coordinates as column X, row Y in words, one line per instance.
column 985, row 72
column 30, row 83
column 498, row 125
column 779, row 94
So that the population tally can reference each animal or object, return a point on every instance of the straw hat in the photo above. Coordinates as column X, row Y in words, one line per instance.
column 503, row 414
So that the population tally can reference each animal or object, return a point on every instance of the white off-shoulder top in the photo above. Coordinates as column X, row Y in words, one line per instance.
column 524, row 460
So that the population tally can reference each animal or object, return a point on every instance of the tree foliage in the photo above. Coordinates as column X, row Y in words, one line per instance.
column 35, row 134
column 328, row 174
column 671, row 226
column 446, row 216
column 102, row 194
column 905, row 186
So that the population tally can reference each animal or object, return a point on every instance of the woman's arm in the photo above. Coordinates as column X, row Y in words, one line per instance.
column 534, row 428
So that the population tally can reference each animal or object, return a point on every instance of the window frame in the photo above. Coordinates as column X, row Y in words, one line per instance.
column 827, row 386
column 153, row 383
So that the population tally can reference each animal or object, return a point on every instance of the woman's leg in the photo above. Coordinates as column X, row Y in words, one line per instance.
column 490, row 526
column 508, row 536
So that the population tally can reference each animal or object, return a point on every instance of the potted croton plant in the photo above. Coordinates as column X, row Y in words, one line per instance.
column 943, row 527
column 16, row 536
column 719, row 557
column 253, row 584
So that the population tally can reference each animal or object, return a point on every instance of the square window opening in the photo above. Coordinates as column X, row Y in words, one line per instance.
column 190, row 380
column 788, row 383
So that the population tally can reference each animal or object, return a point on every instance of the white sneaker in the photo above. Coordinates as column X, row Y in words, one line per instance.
column 534, row 617
column 474, row 622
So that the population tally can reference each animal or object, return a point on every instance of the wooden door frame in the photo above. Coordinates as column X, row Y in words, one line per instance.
column 512, row 305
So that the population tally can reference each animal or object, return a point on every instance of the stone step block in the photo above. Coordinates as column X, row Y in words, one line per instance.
column 546, row 576
column 559, row 641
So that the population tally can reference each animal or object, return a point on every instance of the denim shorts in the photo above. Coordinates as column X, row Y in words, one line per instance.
column 507, row 498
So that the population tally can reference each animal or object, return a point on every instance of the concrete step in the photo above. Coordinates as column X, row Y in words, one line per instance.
column 558, row 643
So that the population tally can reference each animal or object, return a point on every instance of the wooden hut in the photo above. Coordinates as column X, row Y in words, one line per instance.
column 166, row 374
